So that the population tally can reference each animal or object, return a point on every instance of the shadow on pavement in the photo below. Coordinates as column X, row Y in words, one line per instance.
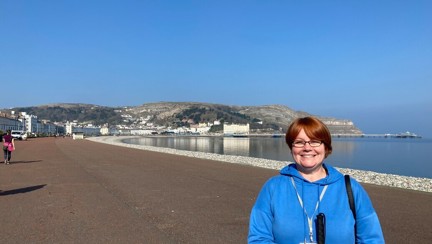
column 21, row 190
column 25, row 162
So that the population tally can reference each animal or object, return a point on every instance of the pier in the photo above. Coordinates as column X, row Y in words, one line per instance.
column 399, row 135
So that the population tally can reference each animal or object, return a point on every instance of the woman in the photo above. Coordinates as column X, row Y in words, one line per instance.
column 287, row 207
column 8, row 140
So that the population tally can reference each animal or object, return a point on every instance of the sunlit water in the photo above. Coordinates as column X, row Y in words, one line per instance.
column 409, row 157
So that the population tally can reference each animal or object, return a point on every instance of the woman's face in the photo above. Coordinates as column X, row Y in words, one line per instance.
column 308, row 158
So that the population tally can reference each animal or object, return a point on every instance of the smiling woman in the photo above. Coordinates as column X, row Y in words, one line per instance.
column 309, row 158
column 319, row 190
column 310, row 143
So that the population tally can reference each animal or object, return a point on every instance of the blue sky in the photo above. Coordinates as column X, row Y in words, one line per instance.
column 367, row 61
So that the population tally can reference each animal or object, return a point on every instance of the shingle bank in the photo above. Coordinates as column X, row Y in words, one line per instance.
column 406, row 182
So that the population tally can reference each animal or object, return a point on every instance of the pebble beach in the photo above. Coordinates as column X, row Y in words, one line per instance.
column 370, row 177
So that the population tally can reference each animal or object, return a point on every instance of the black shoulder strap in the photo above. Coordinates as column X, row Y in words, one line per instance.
column 350, row 195
column 351, row 201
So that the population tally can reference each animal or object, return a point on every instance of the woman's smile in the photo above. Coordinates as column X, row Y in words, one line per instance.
column 308, row 158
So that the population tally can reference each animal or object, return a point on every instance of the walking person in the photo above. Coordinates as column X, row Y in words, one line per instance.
column 8, row 146
column 310, row 201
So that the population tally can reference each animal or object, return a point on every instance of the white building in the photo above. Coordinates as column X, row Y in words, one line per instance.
column 104, row 131
column 30, row 123
column 69, row 127
column 199, row 128
column 78, row 135
column 236, row 129
column 72, row 127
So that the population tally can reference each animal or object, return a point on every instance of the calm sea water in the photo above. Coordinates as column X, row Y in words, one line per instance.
column 409, row 157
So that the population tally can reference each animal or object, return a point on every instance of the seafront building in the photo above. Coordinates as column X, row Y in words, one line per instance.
column 105, row 130
column 9, row 124
column 199, row 128
column 236, row 129
column 88, row 130
column 29, row 124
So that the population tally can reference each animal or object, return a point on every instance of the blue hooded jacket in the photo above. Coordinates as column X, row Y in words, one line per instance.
column 277, row 216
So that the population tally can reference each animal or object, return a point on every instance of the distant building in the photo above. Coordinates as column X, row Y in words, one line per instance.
column 78, row 135
column 10, row 124
column 236, row 129
column 89, row 130
column 199, row 128
column 141, row 132
column 69, row 127
column 105, row 131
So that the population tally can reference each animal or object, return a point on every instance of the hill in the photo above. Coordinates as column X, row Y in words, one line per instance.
column 176, row 114
column 84, row 113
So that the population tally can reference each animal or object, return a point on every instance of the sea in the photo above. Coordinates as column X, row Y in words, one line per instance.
column 400, row 156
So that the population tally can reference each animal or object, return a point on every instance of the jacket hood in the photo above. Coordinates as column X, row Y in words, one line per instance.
column 332, row 174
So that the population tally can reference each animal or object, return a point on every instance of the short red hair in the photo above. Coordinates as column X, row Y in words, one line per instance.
column 314, row 128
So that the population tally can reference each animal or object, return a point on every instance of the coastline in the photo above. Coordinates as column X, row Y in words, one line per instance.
column 369, row 177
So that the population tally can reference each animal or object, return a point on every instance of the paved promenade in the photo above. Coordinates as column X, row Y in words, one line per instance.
column 59, row 190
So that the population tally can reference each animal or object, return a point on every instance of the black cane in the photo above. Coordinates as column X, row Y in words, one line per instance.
column 320, row 227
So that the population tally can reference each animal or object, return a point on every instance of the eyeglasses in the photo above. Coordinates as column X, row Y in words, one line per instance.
column 303, row 143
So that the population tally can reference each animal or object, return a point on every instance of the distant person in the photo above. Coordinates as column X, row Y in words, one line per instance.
column 290, row 205
column 8, row 146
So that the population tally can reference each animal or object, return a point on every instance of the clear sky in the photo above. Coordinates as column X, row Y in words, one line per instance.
column 368, row 61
